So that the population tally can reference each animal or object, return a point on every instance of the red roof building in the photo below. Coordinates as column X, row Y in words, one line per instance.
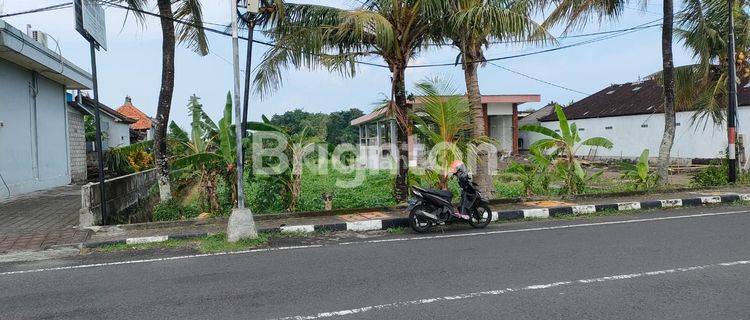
column 141, row 129
column 130, row 111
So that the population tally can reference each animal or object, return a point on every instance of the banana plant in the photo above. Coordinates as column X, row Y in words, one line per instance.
column 297, row 146
column 211, row 153
column 639, row 174
column 536, row 174
column 564, row 146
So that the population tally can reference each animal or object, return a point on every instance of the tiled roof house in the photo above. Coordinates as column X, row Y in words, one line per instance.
column 142, row 129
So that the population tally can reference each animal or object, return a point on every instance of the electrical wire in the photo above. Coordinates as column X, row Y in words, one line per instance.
column 5, row 184
column 37, row 10
column 537, row 79
column 611, row 34
column 629, row 30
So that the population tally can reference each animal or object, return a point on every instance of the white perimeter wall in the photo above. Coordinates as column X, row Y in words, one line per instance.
column 692, row 140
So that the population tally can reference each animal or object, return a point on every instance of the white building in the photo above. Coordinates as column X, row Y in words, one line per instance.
column 34, row 126
column 115, row 126
column 631, row 116
column 377, row 132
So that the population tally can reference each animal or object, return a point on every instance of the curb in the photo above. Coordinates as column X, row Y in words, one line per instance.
column 535, row 213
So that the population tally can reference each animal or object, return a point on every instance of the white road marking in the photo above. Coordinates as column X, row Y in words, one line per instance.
column 473, row 234
column 107, row 264
column 473, row 295
column 567, row 226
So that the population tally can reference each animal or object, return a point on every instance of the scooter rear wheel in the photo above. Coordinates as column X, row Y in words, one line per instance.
column 481, row 217
column 418, row 223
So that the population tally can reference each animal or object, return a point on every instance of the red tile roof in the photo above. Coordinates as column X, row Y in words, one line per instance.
column 129, row 110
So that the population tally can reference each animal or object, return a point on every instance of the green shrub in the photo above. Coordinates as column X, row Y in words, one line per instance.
column 264, row 195
column 171, row 210
column 711, row 176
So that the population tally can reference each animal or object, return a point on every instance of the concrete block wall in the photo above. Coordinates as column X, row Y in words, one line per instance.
column 124, row 194
column 77, row 146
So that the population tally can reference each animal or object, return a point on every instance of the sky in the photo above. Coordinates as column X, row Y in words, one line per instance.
column 132, row 63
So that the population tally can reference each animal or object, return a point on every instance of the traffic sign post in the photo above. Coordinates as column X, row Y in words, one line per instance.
column 90, row 23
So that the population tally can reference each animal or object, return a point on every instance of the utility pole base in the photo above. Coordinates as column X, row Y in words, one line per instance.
column 241, row 225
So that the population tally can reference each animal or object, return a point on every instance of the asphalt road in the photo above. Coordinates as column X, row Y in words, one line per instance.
column 674, row 264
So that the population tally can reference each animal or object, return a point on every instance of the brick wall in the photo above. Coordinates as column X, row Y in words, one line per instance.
column 77, row 144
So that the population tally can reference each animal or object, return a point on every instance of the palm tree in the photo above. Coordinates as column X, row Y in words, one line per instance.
column 189, row 32
column 473, row 25
column 577, row 13
column 702, row 27
column 442, row 119
column 313, row 36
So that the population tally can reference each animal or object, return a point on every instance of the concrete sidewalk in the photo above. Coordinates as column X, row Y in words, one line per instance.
column 396, row 217
column 41, row 220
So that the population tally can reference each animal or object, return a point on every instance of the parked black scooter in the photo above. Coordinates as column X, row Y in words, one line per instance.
column 431, row 207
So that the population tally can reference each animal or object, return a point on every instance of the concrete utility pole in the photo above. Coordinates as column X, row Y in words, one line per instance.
column 241, row 224
column 732, row 108
column 252, row 11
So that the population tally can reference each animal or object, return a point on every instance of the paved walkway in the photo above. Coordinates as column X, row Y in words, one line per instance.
column 41, row 219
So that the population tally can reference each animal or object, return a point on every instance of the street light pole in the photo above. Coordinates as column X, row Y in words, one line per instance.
column 241, row 224
column 732, row 107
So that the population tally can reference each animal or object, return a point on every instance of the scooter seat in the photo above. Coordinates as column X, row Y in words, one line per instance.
column 440, row 193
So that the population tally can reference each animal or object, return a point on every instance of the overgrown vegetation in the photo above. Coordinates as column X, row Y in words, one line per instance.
column 172, row 210
column 124, row 160
column 639, row 175
column 711, row 176
column 563, row 148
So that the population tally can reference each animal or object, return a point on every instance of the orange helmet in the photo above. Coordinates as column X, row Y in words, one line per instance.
column 456, row 165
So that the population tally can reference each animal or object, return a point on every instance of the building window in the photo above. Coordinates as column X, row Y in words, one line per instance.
column 385, row 132
column 677, row 124
column 372, row 134
column 557, row 130
column 608, row 128
column 644, row 126
column 581, row 129
column 362, row 136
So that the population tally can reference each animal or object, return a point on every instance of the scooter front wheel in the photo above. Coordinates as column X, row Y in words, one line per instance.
column 417, row 222
column 481, row 217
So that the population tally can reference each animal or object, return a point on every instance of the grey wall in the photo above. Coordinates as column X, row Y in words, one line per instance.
column 124, row 194
column 33, row 137
column 77, row 146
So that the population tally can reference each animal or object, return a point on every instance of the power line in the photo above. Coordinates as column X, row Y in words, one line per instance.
column 37, row 10
column 610, row 34
column 537, row 79
column 627, row 31
column 220, row 32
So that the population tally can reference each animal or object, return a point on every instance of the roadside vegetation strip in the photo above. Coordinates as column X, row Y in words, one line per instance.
column 532, row 213
column 534, row 287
